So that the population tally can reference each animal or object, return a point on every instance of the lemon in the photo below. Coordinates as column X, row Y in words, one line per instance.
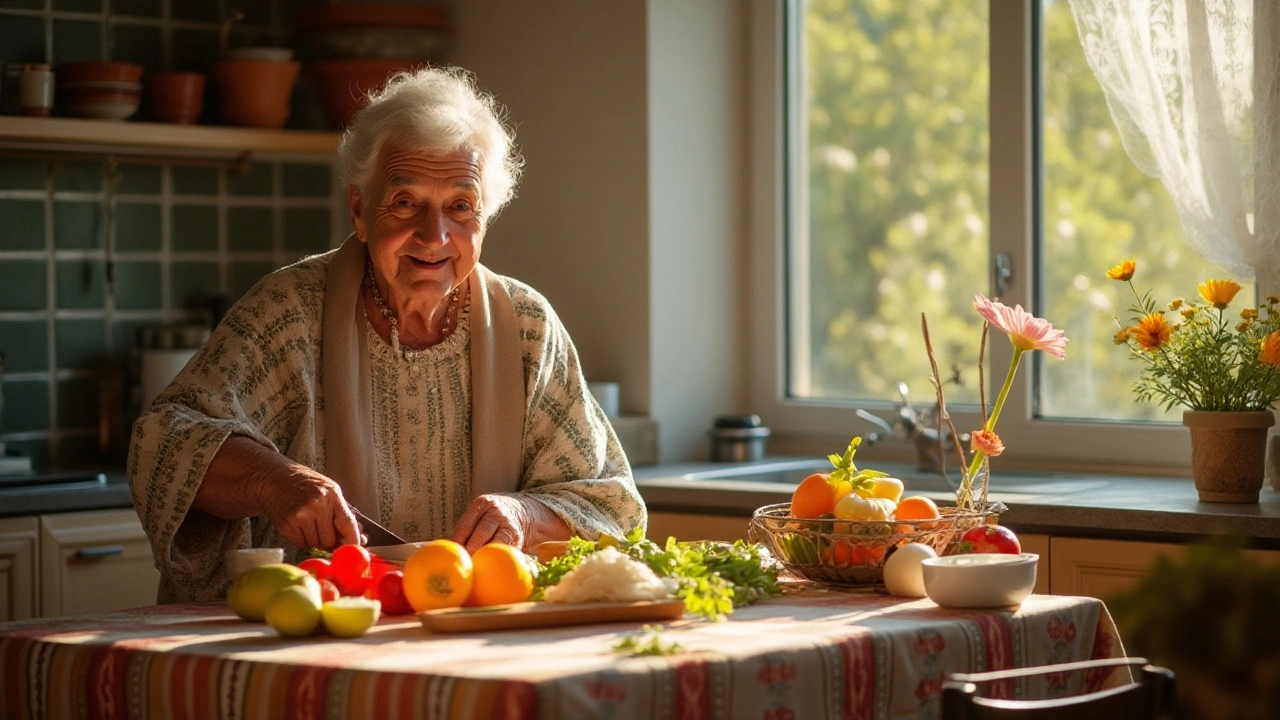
column 294, row 611
column 350, row 616
column 249, row 594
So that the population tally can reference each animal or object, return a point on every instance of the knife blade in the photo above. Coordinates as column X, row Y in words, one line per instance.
column 376, row 534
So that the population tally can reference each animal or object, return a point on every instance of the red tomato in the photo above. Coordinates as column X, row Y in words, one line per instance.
column 377, row 569
column 328, row 591
column 990, row 539
column 390, row 592
column 349, row 569
column 318, row 567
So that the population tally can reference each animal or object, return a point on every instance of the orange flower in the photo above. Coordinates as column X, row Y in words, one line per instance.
column 986, row 442
column 1176, row 303
column 1270, row 352
column 1123, row 271
column 1249, row 313
column 1152, row 331
column 1219, row 293
column 1122, row 336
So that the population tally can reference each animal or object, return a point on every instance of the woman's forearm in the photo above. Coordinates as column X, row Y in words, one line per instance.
column 247, row 480
column 233, row 483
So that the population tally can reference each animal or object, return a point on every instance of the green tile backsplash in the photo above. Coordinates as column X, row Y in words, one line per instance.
column 138, row 226
column 73, row 291
column 195, row 228
column 80, row 284
column 81, row 344
column 76, row 224
column 26, row 345
column 21, row 224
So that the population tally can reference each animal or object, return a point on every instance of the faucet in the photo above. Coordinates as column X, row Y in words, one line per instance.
column 917, row 427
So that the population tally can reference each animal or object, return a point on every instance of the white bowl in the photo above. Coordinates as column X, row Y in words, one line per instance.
column 979, row 580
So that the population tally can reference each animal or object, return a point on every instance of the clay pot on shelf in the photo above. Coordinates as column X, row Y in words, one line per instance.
column 344, row 83
column 1228, row 453
column 255, row 92
column 177, row 97
column 101, row 90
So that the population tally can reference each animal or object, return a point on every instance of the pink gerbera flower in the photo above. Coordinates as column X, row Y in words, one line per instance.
column 1025, row 331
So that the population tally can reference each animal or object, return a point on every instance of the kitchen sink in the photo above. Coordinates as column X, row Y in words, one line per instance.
column 791, row 472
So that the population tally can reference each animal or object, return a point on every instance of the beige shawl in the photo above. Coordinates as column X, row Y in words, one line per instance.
column 497, row 378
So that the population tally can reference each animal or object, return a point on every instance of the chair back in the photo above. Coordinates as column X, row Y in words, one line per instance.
column 1151, row 697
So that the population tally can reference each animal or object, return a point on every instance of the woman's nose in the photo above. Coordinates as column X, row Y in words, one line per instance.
column 433, row 227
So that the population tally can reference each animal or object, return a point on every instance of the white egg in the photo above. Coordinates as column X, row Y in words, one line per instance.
column 903, row 575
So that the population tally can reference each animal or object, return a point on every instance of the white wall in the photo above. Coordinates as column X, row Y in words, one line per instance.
column 572, row 75
column 698, row 234
column 633, row 120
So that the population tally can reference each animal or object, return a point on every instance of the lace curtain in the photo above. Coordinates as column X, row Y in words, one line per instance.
column 1192, row 86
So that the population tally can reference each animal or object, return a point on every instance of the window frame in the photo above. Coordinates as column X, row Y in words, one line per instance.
column 777, row 215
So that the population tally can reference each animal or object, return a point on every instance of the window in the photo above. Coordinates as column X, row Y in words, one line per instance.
column 922, row 143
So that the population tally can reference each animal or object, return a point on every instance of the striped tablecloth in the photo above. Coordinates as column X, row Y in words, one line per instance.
column 810, row 654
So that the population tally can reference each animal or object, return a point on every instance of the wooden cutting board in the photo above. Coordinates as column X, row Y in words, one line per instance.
column 544, row 614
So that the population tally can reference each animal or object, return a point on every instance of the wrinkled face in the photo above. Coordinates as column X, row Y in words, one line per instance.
column 421, row 220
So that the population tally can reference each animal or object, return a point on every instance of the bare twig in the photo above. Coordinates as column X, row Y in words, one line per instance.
column 964, row 498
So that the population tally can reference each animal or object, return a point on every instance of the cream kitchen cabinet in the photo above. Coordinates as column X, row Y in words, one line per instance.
column 1105, row 568
column 94, row 562
column 695, row 526
column 19, row 593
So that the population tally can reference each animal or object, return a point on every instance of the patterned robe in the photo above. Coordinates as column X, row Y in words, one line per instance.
column 259, row 376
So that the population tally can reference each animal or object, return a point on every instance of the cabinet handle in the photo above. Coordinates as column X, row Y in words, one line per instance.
column 101, row 551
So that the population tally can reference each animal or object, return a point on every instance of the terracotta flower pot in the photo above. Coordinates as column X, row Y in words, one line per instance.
column 345, row 83
column 1228, row 453
column 255, row 93
column 177, row 97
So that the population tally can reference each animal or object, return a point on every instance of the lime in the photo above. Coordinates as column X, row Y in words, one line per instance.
column 350, row 616
column 294, row 611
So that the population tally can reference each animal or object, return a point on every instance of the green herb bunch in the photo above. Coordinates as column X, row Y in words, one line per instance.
column 712, row 578
column 1207, row 358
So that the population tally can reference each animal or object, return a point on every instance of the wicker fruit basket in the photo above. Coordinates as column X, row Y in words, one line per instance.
column 844, row 552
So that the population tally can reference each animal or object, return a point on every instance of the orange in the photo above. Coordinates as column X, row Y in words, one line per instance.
column 438, row 575
column 501, row 576
column 916, row 508
column 813, row 497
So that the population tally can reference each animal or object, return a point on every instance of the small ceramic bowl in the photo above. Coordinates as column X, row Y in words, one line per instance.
column 979, row 580
column 240, row 560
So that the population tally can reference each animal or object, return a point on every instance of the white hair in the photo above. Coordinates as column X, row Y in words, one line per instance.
column 436, row 110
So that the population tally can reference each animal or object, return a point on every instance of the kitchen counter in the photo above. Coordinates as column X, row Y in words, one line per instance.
column 1062, row 504
column 109, row 492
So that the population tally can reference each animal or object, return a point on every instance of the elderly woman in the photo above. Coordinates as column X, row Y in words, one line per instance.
column 395, row 374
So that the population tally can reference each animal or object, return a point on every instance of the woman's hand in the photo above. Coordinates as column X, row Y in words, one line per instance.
column 246, row 479
column 309, row 511
column 514, row 519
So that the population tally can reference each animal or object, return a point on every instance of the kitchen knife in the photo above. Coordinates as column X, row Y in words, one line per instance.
column 376, row 534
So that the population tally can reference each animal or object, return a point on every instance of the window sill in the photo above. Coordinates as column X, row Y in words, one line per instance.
column 1058, row 503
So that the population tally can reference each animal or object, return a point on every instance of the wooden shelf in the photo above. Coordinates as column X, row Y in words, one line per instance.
column 160, row 139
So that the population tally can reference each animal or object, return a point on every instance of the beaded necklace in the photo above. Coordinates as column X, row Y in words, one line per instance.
column 446, row 328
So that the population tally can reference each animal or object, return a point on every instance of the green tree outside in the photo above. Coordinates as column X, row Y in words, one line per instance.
column 897, row 102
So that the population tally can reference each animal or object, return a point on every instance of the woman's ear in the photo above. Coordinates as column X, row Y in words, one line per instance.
column 356, row 210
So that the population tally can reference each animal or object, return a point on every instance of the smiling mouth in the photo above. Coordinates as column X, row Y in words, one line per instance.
column 428, row 264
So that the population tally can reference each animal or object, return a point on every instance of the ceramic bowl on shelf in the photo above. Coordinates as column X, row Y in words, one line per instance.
column 99, row 72
column 980, row 580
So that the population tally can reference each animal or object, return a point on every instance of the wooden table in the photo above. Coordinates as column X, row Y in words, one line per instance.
column 809, row 654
